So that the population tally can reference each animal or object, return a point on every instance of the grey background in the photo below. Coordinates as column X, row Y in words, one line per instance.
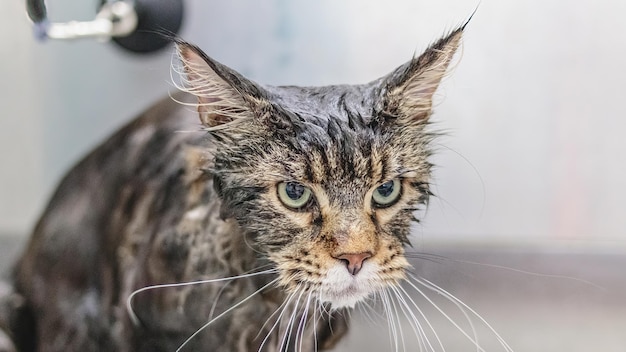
column 533, row 110
column 529, row 174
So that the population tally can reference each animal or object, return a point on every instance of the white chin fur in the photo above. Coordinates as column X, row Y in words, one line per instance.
column 341, row 289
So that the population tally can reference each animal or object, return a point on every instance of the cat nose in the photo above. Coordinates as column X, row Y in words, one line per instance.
column 354, row 261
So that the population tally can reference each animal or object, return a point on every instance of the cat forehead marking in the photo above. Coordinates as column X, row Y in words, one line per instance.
column 338, row 102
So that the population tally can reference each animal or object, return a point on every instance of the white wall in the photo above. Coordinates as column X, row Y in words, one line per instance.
column 533, row 111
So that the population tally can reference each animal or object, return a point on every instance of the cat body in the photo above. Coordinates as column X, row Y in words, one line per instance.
column 307, row 193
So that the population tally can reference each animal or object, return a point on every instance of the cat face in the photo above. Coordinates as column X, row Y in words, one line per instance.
column 325, row 180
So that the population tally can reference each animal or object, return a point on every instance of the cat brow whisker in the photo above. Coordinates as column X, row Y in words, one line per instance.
column 445, row 203
column 429, row 284
column 224, row 313
column 477, row 173
column 129, row 300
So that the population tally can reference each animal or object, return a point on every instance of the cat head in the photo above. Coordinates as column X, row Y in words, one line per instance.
column 324, row 180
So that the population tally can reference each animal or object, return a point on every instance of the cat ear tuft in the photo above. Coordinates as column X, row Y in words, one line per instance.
column 408, row 91
column 224, row 96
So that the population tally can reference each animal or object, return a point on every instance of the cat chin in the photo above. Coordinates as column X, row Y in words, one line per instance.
column 343, row 290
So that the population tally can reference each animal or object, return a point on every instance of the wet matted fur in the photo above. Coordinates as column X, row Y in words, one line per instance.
column 305, row 193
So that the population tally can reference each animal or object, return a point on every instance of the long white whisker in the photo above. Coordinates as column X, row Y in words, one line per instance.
column 224, row 313
column 461, row 309
column 366, row 310
column 283, row 307
column 287, row 337
column 377, row 314
column 382, row 300
column 129, row 300
column 324, row 310
column 400, row 330
column 302, row 324
column 219, row 293
column 392, row 325
column 413, row 321
column 419, row 310
column 444, row 314
column 315, row 325
column 452, row 297
column 435, row 258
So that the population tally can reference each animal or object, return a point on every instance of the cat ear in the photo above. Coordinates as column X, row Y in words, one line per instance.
column 407, row 93
column 224, row 96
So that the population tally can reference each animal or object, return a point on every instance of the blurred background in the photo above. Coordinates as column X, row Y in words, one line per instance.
column 530, row 170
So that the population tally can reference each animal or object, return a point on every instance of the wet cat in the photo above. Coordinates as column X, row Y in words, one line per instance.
column 296, row 201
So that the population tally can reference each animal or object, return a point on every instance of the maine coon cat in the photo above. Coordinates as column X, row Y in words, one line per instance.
column 302, row 195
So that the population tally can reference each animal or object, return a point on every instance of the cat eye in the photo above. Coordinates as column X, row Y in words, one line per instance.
column 293, row 194
column 387, row 194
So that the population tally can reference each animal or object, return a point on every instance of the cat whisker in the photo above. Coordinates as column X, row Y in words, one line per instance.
column 427, row 256
column 245, row 240
column 385, row 314
column 462, row 306
column 224, row 313
column 282, row 308
column 433, row 258
column 303, row 320
column 444, row 203
column 365, row 308
column 423, row 315
column 477, row 173
column 315, row 327
column 296, row 330
column 219, row 293
column 397, row 316
column 322, row 308
column 292, row 330
column 463, row 311
column 129, row 300
column 378, row 315
column 392, row 325
column 445, row 315
column 413, row 321
column 427, row 283
column 287, row 335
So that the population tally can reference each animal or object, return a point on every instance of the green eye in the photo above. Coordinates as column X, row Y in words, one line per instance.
column 387, row 193
column 293, row 194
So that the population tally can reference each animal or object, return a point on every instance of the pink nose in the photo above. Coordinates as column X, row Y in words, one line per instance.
column 354, row 261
